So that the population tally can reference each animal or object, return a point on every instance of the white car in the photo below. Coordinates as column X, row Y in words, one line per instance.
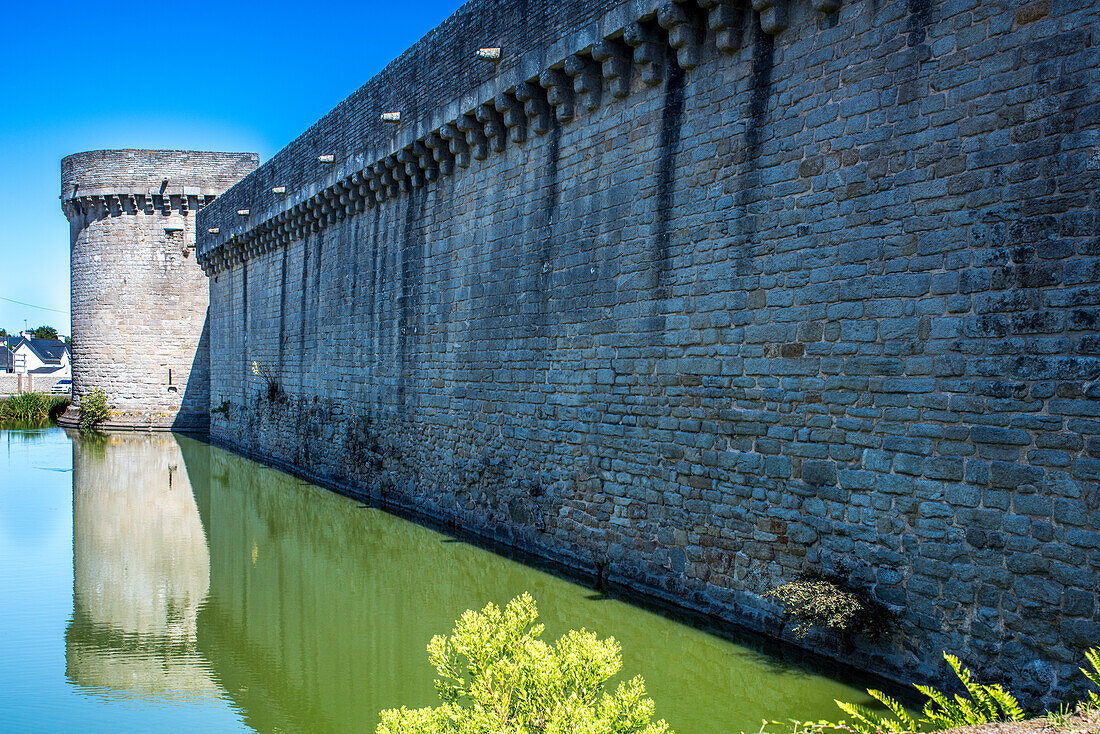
column 62, row 386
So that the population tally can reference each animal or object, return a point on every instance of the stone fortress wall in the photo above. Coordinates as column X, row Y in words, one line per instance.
column 704, row 296
column 139, row 298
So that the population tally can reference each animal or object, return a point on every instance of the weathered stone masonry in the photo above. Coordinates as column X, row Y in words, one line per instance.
column 139, row 299
column 711, row 295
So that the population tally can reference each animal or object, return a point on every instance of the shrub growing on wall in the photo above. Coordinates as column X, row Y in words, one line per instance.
column 832, row 606
column 93, row 409
column 496, row 675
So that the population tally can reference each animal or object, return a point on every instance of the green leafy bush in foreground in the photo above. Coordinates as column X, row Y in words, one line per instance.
column 32, row 407
column 93, row 409
column 497, row 677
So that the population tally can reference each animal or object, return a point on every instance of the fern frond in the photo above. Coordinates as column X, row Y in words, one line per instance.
column 865, row 721
column 1093, row 658
column 1010, row 707
column 907, row 722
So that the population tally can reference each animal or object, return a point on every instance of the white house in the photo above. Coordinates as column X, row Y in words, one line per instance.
column 42, row 357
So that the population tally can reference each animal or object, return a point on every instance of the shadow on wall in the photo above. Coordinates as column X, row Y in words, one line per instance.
column 194, row 411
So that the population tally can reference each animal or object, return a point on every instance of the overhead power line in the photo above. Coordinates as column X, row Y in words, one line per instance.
column 44, row 308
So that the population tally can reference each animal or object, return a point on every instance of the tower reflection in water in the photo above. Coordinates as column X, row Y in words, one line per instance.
column 141, row 569
column 199, row 573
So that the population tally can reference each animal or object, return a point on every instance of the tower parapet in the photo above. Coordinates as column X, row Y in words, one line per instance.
column 139, row 298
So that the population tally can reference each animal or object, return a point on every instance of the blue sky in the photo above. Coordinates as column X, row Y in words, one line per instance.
column 246, row 76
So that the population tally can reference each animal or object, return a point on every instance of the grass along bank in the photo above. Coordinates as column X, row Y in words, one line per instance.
column 32, row 407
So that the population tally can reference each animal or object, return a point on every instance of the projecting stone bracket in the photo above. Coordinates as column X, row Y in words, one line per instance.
column 649, row 52
column 456, row 142
column 441, row 151
column 587, row 80
column 559, row 93
column 426, row 160
column 512, row 114
column 725, row 20
column 496, row 134
column 684, row 34
column 773, row 15
column 535, row 106
column 614, row 58
column 476, row 141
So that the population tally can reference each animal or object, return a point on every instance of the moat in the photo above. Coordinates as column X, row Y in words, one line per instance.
column 152, row 582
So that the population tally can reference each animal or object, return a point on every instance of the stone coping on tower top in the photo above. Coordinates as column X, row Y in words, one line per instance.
column 137, row 171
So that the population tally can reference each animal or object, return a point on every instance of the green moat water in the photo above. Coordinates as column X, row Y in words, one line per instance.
column 156, row 583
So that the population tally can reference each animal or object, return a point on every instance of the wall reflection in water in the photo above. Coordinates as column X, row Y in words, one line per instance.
column 198, row 570
column 141, row 569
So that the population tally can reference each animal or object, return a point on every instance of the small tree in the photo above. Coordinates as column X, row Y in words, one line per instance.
column 497, row 677
column 45, row 332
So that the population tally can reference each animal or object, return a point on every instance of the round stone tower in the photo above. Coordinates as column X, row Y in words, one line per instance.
column 139, row 298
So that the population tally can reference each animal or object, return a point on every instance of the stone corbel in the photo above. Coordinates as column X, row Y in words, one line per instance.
column 330, row 202
column 475, row 136
column 511, row 111
column 425, row 160
column 148, row 204
column 441, row 151
column 724, row 19
column 493, row 126
column 826, row 6
column 346, row 198
column 773, row 15
column 648, row 52
column 456, row 142
column 328, row 214
column 411, row 165
column 559, row 93
column 683, row 34
column 587, row 81
column 397, row 173
column 360, row 192
column 380, row 180
column 535, row 106
column 614, row 59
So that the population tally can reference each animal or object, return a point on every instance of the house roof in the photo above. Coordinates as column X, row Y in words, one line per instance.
column 47, row 350
column 44, row 370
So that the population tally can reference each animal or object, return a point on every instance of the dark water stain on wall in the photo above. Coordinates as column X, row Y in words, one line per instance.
column 245, row 364
column 370, row 316
column 303, row 292
column 668, row 141
column 282, row 308
column 918, row 20
column 549, row 211
column 315, row 316
column 408, row 298
column 748, row 183
column 763, row 62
